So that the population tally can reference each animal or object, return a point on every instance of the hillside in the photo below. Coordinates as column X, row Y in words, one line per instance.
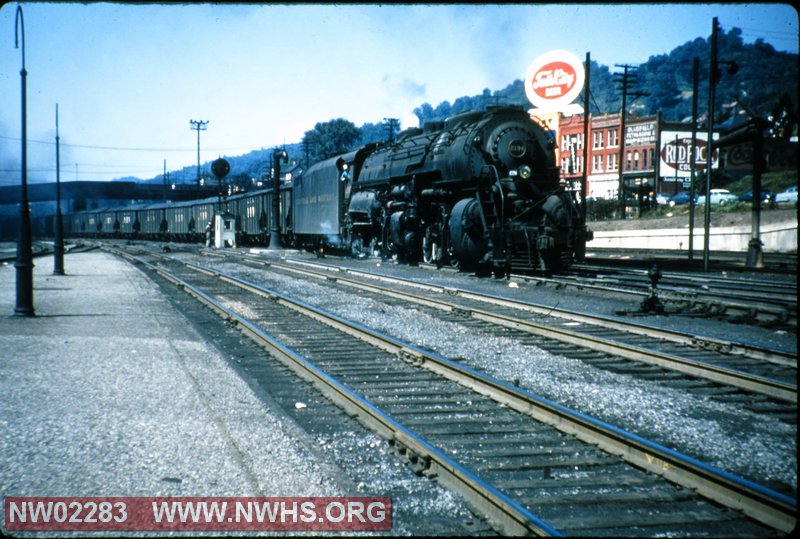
column 766, row 84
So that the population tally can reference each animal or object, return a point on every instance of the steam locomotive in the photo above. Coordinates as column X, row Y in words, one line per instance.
column 480, row 190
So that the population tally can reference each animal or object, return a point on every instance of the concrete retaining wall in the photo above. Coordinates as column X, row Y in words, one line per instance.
column 777, row 238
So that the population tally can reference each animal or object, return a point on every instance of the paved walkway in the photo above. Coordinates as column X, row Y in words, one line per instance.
column 108, row 390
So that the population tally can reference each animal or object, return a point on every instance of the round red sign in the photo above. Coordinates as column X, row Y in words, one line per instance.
column 554, row 80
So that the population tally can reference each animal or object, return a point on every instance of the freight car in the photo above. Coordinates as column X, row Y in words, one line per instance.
column 480, row 191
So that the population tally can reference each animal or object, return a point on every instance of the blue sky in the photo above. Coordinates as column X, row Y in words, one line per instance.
column 129, row 77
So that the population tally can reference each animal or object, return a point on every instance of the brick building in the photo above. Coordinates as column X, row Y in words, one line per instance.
column 647, row 160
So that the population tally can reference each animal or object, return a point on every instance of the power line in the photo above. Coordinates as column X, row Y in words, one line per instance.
column 130, row 149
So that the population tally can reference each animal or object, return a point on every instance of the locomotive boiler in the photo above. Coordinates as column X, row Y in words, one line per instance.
column 479, row 190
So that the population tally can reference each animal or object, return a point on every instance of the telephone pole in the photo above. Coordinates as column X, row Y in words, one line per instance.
column 391, row 124
column 58, row 243
column 307, row 145
column 626, row 80
column 714, row 75
column 198, row 125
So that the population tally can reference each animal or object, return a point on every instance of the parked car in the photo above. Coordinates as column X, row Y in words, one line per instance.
column 790, row 195
column 747, row 196
column 662, row 199
column 718, row 196
column 679, row 198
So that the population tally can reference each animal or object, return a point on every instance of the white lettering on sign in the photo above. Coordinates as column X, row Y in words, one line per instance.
column 554, row 80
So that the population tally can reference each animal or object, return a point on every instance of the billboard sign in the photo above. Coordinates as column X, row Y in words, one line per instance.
column 676, row 157
column 553, row 81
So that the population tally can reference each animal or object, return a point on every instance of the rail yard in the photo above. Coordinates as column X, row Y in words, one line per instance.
column 513, row 402
column 563, row 308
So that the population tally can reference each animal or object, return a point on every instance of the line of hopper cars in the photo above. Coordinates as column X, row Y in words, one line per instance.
column 479, row 190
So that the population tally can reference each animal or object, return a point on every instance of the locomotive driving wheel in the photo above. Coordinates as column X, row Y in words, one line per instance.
column 431, row 248
column 386, row 245
column 452, row 259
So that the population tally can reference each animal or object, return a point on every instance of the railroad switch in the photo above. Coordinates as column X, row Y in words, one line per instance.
column 652, row 304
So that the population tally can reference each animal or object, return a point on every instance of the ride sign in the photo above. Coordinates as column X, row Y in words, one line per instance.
column 675, row 154
column 553, row 81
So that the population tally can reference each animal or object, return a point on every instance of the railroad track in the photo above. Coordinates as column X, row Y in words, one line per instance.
column 753, row 301
column 616, row 344
column 778, row 263
column 528, row 464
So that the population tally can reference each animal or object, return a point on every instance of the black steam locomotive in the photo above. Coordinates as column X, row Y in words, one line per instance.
column 480, row 190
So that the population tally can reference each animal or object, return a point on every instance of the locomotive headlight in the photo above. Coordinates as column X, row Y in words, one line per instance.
column 525, row 172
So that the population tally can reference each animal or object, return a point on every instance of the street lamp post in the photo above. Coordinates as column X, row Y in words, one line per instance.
column 24, row 263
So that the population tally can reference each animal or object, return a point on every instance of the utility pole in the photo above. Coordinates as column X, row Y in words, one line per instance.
column 714, row 75
column 693, row 155
column 713, row 78
column 306, row 149
column 58, row 244
column 585, row 175
column 627, row 80
column 391, row 124
column 198, row 125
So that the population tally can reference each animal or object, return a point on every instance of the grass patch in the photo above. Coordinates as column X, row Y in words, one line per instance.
column 774, row 181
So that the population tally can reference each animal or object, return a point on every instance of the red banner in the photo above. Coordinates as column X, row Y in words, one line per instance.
column 26, row 513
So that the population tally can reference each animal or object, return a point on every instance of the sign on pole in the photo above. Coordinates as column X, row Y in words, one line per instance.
column 553, row 81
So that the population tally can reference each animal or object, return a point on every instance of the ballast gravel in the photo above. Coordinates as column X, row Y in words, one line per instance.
column 723, row 435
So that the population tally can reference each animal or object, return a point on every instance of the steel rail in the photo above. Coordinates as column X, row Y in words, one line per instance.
column 785, row 359
column 733, row 377
column 508, row 514
column 714, row 298
column 698, row 280
column 760, row 503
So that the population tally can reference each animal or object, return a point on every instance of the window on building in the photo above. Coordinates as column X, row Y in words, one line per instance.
column 597, row 140
column 627, row 160
column 574, row 166
column 597, row 163
column 611, row 162
column 613, row 138
column 644, row 159
column 636, row 160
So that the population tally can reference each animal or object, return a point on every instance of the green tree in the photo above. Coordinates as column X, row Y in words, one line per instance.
column 372, row 132
column 331, row 138
column 783, row 119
